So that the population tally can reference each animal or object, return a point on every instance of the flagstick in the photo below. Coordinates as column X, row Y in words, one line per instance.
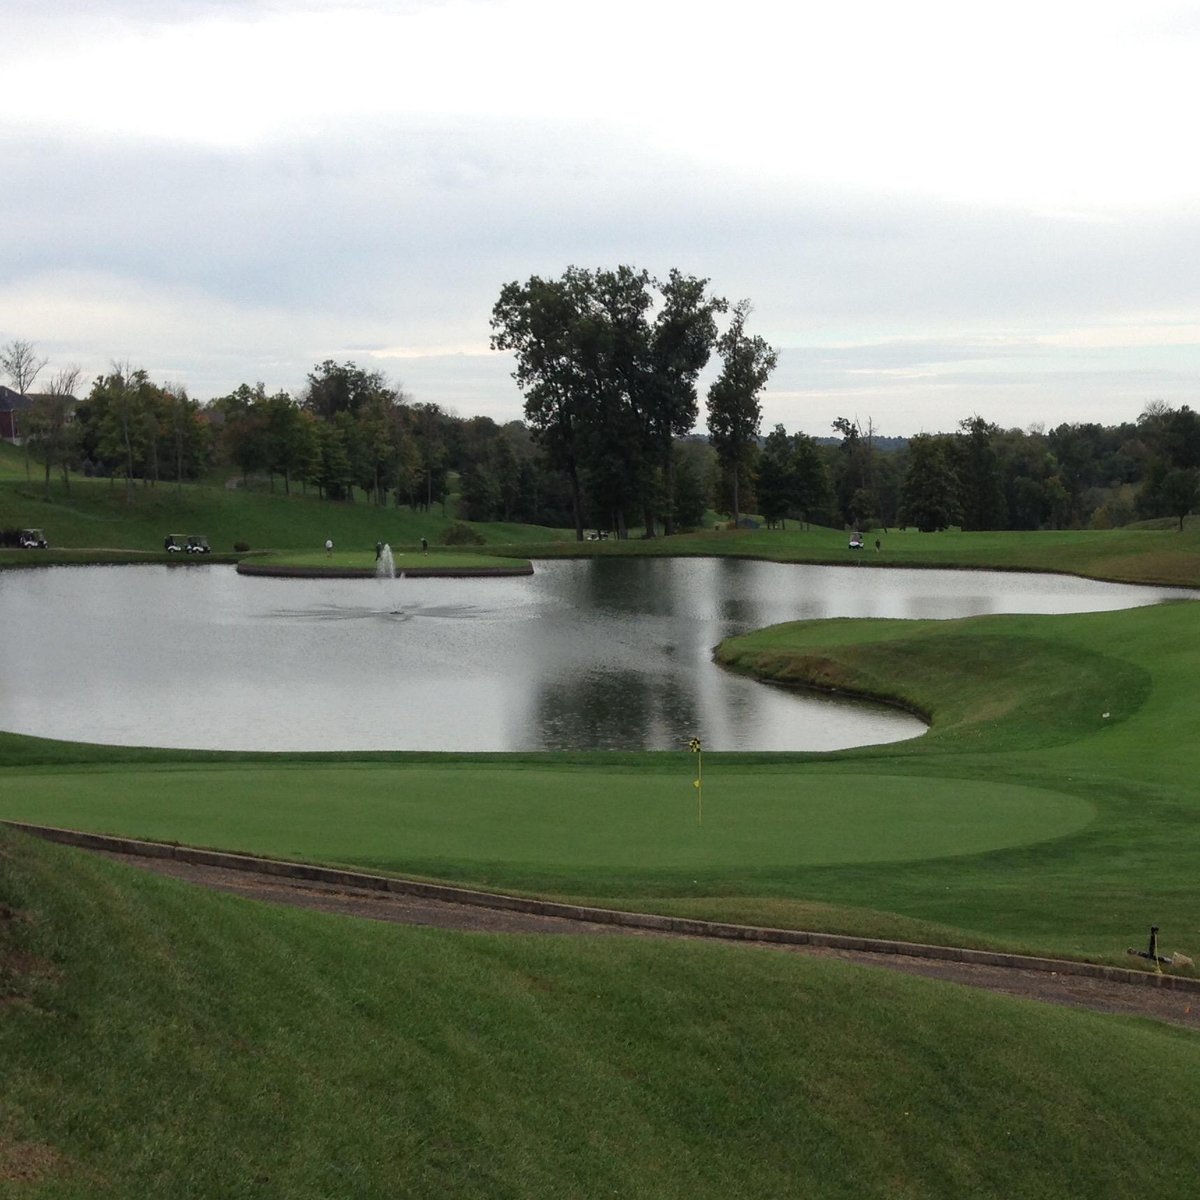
column 699, row 787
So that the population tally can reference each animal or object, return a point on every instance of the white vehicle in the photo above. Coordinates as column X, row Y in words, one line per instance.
column 197, row 544
column 32, row 539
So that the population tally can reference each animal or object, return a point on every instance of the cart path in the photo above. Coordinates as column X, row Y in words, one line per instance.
column 1077, row 991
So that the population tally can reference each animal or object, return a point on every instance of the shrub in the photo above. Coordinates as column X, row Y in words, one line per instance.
column 461, row 535
column 241, row 547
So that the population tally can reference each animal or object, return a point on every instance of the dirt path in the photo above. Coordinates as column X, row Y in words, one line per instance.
column 1180, row 1008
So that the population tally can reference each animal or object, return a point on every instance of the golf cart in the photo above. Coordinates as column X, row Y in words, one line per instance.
column 197, row 544
column 173, row 543
column 32, row 539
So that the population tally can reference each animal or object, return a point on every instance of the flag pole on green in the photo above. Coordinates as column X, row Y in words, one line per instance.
column 698, row 783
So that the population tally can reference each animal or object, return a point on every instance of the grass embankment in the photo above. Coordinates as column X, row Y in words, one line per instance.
column 1026, row 818
column 157, row 1040
column 1131, row 555
column 101, row 514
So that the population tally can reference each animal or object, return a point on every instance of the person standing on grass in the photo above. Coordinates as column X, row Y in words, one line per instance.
column 329, row 546
column 424, row 546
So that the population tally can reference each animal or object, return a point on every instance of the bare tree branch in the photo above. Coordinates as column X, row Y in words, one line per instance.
column 21, row 364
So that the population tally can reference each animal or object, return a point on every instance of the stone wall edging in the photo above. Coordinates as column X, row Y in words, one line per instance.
column 689, row 926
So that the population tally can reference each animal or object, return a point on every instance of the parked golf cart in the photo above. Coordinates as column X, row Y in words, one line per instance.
column 197, row 544
column 32, row 539
column 173, row 543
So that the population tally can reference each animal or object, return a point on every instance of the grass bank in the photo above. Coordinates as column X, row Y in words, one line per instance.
column 163, row 1041
column 102, row 514
column 1132, row 555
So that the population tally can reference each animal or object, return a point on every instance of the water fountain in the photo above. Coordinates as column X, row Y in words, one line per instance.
column 385, row 568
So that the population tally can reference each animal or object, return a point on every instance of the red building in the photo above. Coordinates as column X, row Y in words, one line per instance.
column 13, row 408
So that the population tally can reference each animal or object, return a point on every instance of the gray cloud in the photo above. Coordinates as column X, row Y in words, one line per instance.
column 401, row 234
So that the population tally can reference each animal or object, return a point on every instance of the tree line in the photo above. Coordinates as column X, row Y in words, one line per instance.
column 982, row 476
column 609, row 362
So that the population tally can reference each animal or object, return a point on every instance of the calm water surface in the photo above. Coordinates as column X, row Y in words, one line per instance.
column 608, row 654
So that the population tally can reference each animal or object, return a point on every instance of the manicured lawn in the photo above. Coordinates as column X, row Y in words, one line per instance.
column 570, row 827
column 158, row 1040
column 930, row 835
column 1126, row 555
column 100, row 513
column 1052, row 805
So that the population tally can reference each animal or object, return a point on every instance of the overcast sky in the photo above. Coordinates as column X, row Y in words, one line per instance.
column 937, row 209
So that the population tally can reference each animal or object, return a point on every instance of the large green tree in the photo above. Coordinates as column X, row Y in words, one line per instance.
column 1180, row 492
column 539, row 321
column 931, row 485
column 608, row 362
column 681, row 342
column 981, row 488
column 734, row 408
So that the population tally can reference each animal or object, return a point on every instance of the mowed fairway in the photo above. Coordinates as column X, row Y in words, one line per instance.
column 564, row 824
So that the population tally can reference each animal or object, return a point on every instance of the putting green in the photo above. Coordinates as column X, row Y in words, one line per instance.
column 389, row 815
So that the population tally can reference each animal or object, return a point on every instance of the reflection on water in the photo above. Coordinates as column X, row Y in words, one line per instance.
column 603, row 654
column 344, row 612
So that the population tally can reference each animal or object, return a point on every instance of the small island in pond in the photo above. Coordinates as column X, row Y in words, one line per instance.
column 410, row 563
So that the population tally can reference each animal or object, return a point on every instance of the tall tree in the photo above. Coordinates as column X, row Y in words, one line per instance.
column 609, row 382
column 813, row 493
column 244, row 427
column 539, row 321
column 343, row 387
column 20, row 363
column 734, row 410
column 1180, row 492
column 121, row 401
column 981, row 491
column 288, row 438
column 53, row 438
column 931, row 486
column 855, row 469
column 613, row 348
column 681, row 342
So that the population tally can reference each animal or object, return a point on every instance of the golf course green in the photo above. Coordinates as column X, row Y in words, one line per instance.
column 555, row 822
column 1050, row 807
column 160, row 1040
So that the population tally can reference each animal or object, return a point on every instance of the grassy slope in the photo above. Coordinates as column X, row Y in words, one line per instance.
column 161, row 1041
column 1023, row 699
column 96, row 513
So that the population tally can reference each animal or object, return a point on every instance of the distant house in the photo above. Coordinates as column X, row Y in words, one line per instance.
column 13, row 408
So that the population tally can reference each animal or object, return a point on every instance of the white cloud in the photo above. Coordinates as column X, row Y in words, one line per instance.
column 236, row 190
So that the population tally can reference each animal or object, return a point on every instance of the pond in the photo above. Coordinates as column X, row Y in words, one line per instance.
column 590, row 654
